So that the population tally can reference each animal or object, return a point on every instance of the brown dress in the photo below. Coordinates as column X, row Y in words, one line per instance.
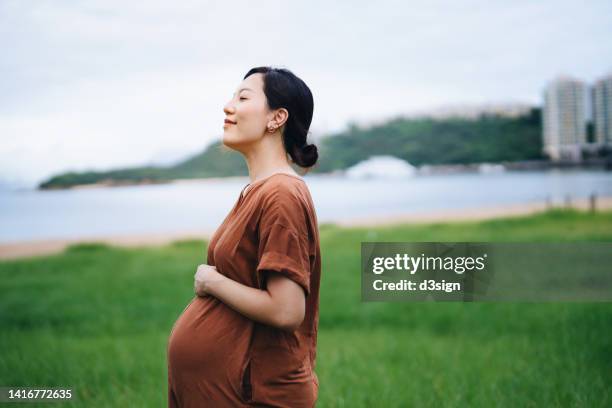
column 218, row 357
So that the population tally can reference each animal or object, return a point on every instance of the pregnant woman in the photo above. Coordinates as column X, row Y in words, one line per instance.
column 249, row 337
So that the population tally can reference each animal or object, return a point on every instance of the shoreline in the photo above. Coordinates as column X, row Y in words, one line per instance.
column 30, row 248
column 473, row 214
column 423, row 170
column 24, row 249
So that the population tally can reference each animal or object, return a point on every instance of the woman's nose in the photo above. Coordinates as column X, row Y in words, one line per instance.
column 228, row 108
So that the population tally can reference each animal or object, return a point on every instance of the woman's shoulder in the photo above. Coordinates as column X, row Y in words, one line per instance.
column 285, row 190
column 284, row 184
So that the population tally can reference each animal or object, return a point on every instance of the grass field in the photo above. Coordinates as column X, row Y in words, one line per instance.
column 97, row 319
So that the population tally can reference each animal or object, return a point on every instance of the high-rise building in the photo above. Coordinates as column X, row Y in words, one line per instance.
column 602, row 110
column 564, row 119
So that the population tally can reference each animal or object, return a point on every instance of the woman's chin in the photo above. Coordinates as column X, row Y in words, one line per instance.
column 228, row 141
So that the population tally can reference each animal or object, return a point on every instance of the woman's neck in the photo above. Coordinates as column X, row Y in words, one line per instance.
column 267, row 159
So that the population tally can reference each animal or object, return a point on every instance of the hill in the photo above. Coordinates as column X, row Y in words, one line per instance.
column 489, row 138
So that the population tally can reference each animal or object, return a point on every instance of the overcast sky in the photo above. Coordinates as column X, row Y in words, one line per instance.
column 105, row 83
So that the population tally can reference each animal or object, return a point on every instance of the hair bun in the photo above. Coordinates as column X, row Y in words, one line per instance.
column 308, row 155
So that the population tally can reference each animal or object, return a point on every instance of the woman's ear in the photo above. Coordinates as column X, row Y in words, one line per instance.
column 280, row 117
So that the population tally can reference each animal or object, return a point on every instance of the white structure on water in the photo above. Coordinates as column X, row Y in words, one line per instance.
column 381, row 166
column 491, row 168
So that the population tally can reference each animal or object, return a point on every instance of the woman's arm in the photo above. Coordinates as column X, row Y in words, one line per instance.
column 281, row 305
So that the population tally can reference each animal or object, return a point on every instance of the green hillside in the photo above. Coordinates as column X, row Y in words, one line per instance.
column 433, row 141
column 419, row 141
column 215, row 161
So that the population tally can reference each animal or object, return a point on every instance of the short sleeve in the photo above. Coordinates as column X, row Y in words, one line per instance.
column 283, row 239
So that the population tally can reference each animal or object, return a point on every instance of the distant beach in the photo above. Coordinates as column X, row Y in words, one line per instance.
column 473, row 214
column 21, row 249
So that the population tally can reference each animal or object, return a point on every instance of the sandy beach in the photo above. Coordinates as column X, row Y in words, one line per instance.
column 473, row 214
column 14, row 250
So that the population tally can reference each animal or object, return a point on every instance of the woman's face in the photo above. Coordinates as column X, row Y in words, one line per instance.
column 249, row 111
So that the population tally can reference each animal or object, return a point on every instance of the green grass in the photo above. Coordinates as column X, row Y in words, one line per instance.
column 97, row 319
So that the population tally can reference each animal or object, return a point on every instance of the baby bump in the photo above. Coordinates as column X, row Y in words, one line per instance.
column 209, row 340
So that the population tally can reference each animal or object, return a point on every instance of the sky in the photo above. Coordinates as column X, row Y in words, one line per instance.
column 102, row 84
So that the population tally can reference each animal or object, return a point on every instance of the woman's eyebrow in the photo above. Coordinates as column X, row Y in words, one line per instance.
column 244, row 89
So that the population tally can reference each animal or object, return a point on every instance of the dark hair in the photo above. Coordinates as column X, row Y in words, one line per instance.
column 285, row 90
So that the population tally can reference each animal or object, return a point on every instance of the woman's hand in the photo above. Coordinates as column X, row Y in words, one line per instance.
column 204, row 276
